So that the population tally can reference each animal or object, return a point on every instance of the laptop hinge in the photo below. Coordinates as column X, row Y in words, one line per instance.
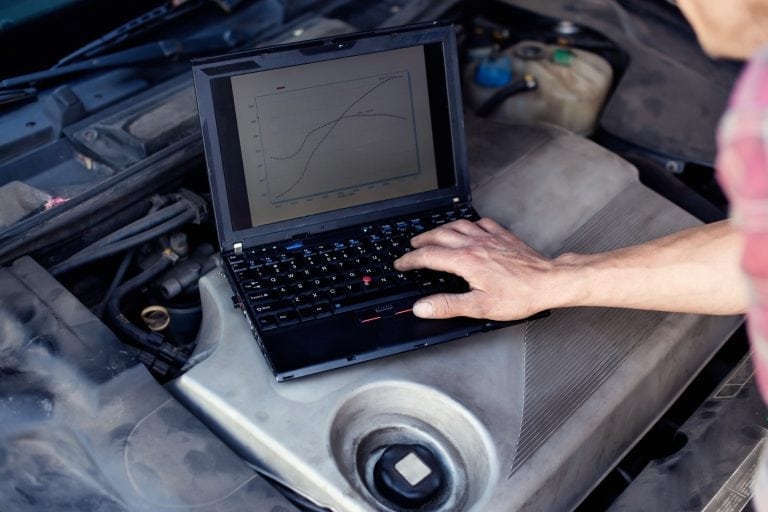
column 238, row 247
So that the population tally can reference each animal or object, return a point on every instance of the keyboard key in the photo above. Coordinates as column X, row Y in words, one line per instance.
column 284, row 292
column 428, row 285
column 386, row 282
column 403, row 277
column 253, row 285
column 296, row 246
column 235, row 258
column 261, row 297
column 306, row 313
column 266, row 322
column 238, row 266
column 276, row 268
column 352, row 288
column 271, row 307
column 322, row 309
column 289, row 317
column 249, row 274
column 321, row 283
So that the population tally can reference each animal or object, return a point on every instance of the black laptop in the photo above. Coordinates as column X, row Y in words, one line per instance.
column 325, row 158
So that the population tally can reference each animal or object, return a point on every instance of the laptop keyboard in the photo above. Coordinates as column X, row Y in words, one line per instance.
column 301, row 281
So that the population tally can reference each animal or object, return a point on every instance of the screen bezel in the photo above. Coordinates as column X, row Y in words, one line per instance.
column 220, row 137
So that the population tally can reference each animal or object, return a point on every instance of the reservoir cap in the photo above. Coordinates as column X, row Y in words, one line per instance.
column 562, row 56
column 494, row 72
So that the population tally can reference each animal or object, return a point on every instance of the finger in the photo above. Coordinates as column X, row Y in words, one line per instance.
column 449, row 305
column 442, row 237
column 454, row 234
column 466, row 227
column 434, row 257
column 491, row 226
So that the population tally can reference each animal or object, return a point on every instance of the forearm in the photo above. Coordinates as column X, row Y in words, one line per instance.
column 695, row 271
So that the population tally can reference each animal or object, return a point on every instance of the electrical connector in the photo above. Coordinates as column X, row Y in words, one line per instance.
column 194, row 203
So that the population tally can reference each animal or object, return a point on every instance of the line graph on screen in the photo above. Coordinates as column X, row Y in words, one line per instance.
column 334, row 137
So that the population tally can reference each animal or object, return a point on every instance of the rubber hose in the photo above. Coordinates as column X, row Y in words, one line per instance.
column 148, row 221
column 527, row 83
column 119, row 275
column 113, row 306
column 102, row 252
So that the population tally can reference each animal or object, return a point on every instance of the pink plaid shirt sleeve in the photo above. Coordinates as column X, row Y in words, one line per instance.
column 742, row 167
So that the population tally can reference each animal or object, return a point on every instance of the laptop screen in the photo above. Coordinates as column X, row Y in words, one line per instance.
column 334, row 134
column 304, row 132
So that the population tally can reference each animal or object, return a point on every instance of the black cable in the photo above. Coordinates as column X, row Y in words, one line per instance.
column 527, row 83
column 142, row 338
column 159, row 355
column 148, row 221
column 121, row 245
column 119, row 275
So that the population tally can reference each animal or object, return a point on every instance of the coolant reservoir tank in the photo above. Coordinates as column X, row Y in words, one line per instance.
column 572, row 85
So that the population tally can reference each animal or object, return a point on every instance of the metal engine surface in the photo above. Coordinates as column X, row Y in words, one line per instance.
column 84, row 426
column 526, row 418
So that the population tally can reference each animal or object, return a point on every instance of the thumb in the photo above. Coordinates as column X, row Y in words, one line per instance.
column 444, row 305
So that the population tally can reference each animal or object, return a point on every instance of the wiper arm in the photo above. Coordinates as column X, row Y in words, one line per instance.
column 16, row 95
column 142, row 54
column 150, row 19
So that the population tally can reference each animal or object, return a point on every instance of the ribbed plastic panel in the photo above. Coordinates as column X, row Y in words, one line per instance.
column 561, row 375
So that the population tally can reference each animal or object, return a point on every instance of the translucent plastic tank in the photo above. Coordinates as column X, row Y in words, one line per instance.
column 572, row 85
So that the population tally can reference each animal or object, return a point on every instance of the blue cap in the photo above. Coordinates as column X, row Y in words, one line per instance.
column 494, row 72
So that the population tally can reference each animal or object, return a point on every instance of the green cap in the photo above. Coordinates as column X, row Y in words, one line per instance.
column 562, row 56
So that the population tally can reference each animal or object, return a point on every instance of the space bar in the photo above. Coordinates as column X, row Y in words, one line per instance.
column 369, row 298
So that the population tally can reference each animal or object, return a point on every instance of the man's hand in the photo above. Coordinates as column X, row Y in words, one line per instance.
column 693, row 271
column 508, row 280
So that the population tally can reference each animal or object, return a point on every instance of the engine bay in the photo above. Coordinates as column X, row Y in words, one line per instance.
column 592, row 119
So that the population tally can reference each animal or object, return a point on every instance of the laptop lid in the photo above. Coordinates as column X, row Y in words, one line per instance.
column 320, row 135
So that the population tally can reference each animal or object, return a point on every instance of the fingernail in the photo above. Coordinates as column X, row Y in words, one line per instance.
column 423, row 309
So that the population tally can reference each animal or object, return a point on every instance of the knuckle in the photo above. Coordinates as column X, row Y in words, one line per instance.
column 486, row 221
column 476, row 253
column 462, row 222
column 481, row 305
column 480, row 309
column 442, row 305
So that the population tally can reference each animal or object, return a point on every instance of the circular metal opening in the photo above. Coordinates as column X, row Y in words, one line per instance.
column 453, row 449
column 446, row 462
column 531, row 51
